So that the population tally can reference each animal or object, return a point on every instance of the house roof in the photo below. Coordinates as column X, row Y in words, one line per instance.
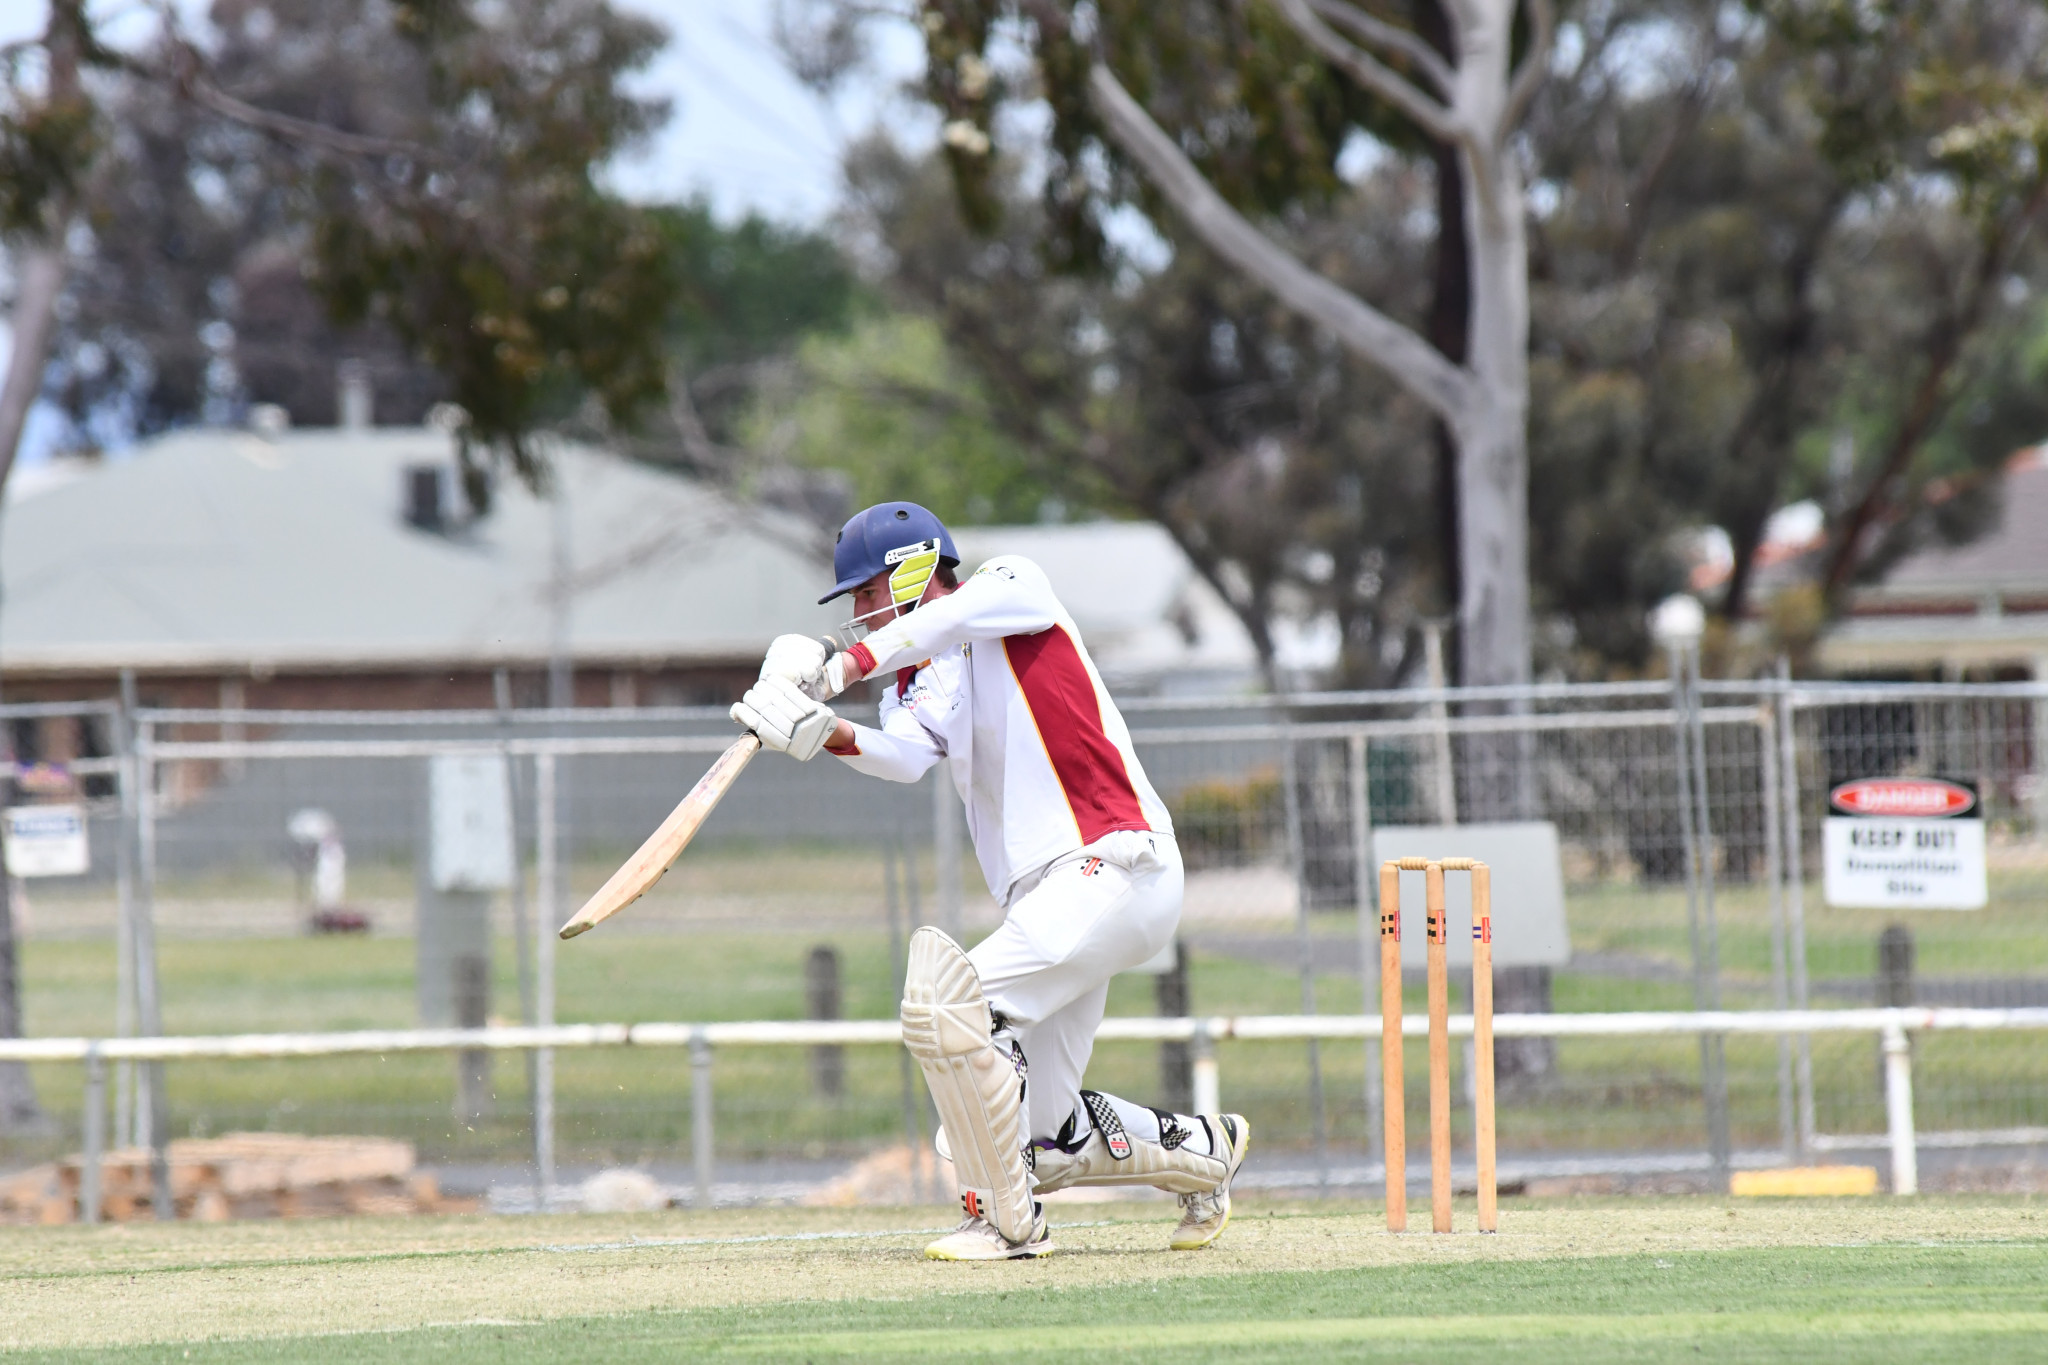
column 2010, row 559
column 1150, row 620
column 1981, row 604
column 218, row 549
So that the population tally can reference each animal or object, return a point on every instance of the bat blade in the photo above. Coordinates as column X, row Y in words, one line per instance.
column 666, row 844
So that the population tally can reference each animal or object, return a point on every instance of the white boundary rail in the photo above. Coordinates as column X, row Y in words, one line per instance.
column 1891, row 1025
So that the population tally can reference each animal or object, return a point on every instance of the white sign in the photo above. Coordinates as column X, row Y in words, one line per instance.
column 47, row 841
column 469, row 801
column 1904, row 844
column 1528, row 890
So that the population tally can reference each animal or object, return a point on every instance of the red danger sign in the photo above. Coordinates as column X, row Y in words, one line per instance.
column 1922, row 798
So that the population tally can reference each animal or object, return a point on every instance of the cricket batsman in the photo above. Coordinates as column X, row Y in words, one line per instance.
column 990, row 675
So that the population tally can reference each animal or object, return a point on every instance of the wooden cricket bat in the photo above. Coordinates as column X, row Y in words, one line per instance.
column 666, row 844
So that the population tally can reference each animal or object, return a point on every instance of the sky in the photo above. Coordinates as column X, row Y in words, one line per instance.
column 744, row 133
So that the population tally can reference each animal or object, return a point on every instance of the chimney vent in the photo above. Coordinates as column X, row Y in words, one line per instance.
column 353, row 397
column 269, row 420
column 423, row 503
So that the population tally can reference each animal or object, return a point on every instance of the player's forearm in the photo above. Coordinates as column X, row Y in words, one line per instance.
column 877, row 753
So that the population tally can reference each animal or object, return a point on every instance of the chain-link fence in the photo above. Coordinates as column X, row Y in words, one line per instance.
column 1688, row 823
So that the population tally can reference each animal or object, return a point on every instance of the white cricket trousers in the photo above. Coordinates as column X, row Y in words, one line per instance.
column 1096, row 912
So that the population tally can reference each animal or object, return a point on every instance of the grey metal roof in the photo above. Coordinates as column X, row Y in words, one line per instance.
column 224, row 549
column 2012, row 557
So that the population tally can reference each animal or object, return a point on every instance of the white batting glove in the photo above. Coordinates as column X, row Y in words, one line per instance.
column 799, row 658
column 784, row 719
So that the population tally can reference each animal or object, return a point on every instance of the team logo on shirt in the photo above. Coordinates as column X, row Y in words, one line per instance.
column 1092, row 867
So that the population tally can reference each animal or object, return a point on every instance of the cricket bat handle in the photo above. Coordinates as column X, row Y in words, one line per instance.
column 666, row 844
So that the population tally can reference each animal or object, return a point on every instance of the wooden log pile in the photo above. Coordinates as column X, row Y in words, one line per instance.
column 239, row 1175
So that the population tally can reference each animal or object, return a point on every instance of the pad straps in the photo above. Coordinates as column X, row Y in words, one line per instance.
column 1103, row 1114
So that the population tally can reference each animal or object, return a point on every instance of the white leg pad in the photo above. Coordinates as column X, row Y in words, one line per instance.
column 1174, row 1169
column 975, row 1086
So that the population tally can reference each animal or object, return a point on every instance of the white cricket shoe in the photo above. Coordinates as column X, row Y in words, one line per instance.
column 976, row 1239
column 1204, row 1216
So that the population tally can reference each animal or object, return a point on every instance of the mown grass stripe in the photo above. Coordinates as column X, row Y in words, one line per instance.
column 1506, row 1329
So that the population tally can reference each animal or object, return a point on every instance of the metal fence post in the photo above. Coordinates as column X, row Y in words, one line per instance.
column 2038, row 707
column 95, row 1135
column 1296, row 858
column 1208, row 1080
column 125, row 905
column 1368, row 927
column 1440, row 734
column 548, row 873
column 1697, row 832
column 1774, row 880
column 1898, row 1109
column 152, row 1103
column 1795, row 903
column 700, row 1114
column 913, row 1142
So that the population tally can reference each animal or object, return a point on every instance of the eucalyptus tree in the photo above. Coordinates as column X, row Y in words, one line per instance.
column 1220, row 115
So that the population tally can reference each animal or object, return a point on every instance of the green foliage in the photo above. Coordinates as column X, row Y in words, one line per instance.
column 748, row 290
column 1247, row 100
column 49, row 137
column 432, row 169
column 496, row 252
column 1221, row 823
column 44, row 149
column 1286, row 471
column 889, row 408
column 1796, row 230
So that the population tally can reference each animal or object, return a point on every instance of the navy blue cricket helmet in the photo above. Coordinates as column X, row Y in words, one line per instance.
column 898, row 536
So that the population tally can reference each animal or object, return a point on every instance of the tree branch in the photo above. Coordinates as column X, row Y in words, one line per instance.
column 1931, row 396
column 1413, row 363
column 1761, row 446
column 185, row 74
column 1529, row 76
column 303, row 131
column 39, row 271
column 1436, row 119
column 1389, row 38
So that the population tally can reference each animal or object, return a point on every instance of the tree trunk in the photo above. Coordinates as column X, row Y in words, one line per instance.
column 1493, row 455
column 39, row 280
column 40, row 267
column 1485, row 402
column 1450, row 323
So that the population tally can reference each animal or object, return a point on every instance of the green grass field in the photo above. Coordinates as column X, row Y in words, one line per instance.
column 1932, row 1280
column 662, row 964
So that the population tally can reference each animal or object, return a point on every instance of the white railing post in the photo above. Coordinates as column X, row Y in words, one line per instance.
column 700, row 1114
column 1898, row 1108
column 1208, row 1086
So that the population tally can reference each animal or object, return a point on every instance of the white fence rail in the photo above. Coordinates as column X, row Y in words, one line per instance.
column 1891, row 1025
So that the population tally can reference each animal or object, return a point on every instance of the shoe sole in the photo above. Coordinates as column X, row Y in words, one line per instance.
column 1244, row 1148
column 1029, row 1253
